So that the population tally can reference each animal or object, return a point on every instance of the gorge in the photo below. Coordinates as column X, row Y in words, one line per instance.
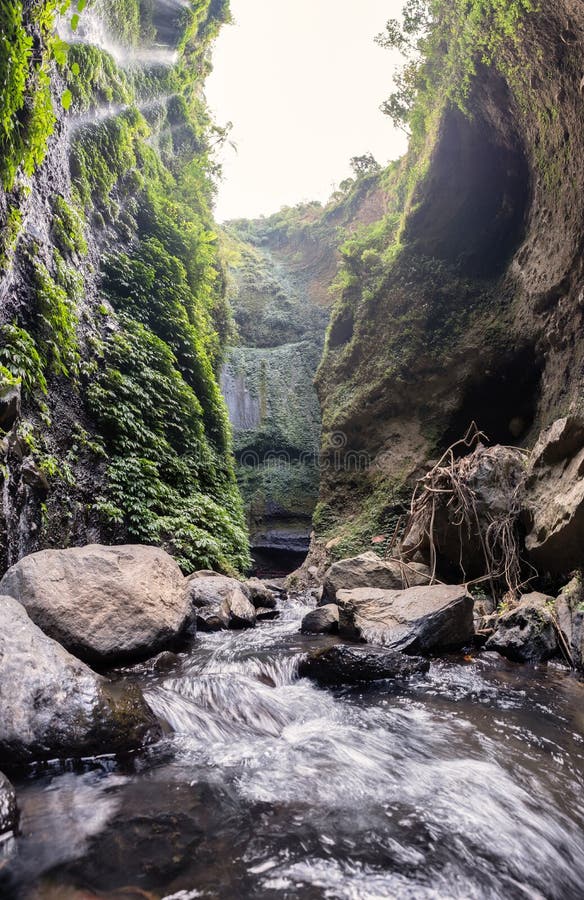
column 372, row 405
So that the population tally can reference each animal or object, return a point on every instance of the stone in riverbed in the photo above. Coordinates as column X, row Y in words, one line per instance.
column 266, row 615
column 258, row 594
column 322, row 620
column 53, row 705
column 241, row 613
column 527, row 632
column 353, row 665
column 414, row 621
column 104, row 604
column 8, row 807
column 220, row 602
column 370, row 571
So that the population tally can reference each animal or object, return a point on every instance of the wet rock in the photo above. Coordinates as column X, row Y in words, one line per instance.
column 259, row 594
column 569, row 610
column 104, row 604
column 352, row 665
column 527, row 633
column 8, row 807
column 415, row 620
column 53, row 705
column 9, row 406
column 220, row 602
column 33, row 476
column 370, row 571
column 554, row 498
column 266, row 615
column 241, row 613
column 322, row 620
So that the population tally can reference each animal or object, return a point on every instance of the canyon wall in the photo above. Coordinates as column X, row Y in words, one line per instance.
column 464, row 302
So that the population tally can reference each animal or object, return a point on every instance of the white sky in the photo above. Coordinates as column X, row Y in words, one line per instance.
column 302, row 82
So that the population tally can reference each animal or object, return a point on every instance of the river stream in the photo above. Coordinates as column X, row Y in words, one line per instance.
column 464, row 783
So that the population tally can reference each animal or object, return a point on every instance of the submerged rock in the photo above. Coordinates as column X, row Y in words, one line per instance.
column 53, row 705
column 370, row 571
column 527, row 632
column 352, row 665
column 415, row 620
column 264, row 614
column 322, row 620
column 8, row 807
column 104, row 604
column 554, row 504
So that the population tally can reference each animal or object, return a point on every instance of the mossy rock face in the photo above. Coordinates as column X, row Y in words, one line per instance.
column 114, row 312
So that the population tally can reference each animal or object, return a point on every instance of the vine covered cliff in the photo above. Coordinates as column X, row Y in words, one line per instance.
column 113, row 314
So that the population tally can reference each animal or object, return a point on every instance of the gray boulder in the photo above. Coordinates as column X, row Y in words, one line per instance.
column 415, row 620
column 8, row 807
column 104, row 604
column 53, row 705
column 258, row 594
column 322, row 620
column 370, row 571
column 554, row 498
column 220, row 602
column 241, row 613
column 527, row 632
column 352, row 665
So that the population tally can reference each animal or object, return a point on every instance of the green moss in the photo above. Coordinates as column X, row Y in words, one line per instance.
column 58, row 318
column 68, row 227
column 167, row 481
column 9, row 236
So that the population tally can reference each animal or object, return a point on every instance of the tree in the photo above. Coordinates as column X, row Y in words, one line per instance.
column 364, row 165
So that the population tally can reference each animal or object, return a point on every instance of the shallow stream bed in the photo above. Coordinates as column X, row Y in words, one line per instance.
column 465, row 783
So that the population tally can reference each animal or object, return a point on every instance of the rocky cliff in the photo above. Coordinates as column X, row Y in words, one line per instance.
column 113, row 312
column 464, row 301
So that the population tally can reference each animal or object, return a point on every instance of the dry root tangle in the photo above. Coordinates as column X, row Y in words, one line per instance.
column 449, row 486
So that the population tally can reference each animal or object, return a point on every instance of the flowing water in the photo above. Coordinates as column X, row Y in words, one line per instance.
column 465, row 783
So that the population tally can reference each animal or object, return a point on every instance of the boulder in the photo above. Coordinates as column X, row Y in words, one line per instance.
column 266, row 615
column 259, row 594
column 352, row 665
column 53, row 705
column 526, row 633
column 569, row 610
column 8, row 807
column 370, row 571
column 220, row 602
column 554, row 498
column 494, row 478
column 322, row 620
column 104, row 604
column 415, row 620
column 240, row 612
